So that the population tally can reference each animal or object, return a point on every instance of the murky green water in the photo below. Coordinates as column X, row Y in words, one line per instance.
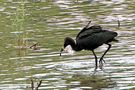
column 48, row 22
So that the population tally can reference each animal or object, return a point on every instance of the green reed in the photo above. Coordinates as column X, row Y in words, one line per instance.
column 19, row 25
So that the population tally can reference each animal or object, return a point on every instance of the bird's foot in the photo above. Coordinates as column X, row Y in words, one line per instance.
column 95, row 70
column 101, row 61
column 101, row 66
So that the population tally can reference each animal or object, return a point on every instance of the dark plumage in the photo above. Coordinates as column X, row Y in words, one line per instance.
column 89, row 38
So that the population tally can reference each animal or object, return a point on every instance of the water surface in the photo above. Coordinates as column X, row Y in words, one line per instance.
column 48, row 23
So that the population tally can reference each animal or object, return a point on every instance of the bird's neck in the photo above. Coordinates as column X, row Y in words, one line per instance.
column 75, row 47
column 72, row 43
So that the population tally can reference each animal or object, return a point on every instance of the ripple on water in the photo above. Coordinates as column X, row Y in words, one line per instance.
column 63, row 72
column 13, row 86
column 46, row 74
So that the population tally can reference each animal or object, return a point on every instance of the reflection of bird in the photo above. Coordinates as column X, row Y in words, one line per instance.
column 89, row 38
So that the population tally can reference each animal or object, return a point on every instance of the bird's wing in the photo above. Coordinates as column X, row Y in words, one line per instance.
column 93, row 39
column 87, row 32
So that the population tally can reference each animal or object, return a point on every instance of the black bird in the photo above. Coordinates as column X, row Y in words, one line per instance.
column 89, row 38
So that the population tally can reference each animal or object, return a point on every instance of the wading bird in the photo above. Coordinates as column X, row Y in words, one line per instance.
column 89, row 38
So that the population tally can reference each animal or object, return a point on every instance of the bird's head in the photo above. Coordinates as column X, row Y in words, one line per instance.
column 68, row 46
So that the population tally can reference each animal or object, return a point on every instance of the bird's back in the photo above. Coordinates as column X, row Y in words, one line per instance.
column 88, row 31
column 92, row 38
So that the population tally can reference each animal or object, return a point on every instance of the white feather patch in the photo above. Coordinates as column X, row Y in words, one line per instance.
column 69, row 50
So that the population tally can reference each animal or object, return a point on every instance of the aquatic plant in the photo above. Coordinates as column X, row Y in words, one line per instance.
column 95, row 82
column 19, row 25
column 35, row 84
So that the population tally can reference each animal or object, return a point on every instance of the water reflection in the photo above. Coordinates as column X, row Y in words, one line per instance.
column 90, row 82
column 49, row 23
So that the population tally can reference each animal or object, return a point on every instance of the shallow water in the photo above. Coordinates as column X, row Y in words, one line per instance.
column 48, row 22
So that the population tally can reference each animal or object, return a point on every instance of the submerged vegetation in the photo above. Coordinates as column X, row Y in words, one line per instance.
column 96, row 81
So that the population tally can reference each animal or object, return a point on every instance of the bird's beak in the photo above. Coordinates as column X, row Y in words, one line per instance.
column 61, row 51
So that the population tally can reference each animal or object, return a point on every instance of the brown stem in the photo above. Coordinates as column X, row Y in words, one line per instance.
column 38, row 85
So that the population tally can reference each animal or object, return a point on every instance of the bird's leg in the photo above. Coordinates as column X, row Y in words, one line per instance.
column 101, row 59
column 96, row 62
